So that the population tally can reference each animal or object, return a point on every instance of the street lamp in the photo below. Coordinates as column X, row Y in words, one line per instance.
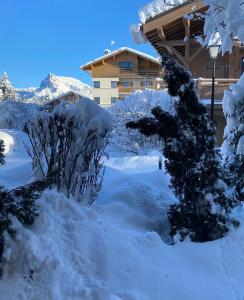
column 213, row 51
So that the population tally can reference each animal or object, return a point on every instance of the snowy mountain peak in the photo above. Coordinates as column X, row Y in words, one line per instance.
column 54, row 86
column 48, row 81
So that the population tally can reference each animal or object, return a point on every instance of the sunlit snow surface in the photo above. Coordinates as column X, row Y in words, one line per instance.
column 156, row 7
column 115, row 250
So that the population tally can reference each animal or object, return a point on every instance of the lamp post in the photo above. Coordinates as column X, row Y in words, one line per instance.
column 213, row 51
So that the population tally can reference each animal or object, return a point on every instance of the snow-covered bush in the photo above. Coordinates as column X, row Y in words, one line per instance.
column 233, row 146
column 19, row 203
column 15, row 114
column 7, row 92
column 226, row 18
column 67, row 146
column 191, row 159
column 134, row 107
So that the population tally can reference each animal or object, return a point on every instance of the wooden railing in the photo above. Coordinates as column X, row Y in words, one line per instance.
column 204, row 87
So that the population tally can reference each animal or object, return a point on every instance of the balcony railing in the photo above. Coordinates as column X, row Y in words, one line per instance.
column 129, row 90
column 204, row 87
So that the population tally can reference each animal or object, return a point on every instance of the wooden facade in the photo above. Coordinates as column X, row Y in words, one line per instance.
column 113, row 81
column 172, row 32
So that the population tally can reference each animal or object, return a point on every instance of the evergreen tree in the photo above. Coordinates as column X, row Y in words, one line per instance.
column 233, row 146
column 7, row 91
column 19, row 203
column 2, row 156
column 191, row 159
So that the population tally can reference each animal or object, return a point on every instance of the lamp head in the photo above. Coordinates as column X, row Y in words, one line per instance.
column 213, row 51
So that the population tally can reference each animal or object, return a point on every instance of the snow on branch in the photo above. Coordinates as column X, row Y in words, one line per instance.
column 67, row 146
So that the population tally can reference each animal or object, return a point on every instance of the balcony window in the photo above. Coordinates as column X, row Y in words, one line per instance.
column 96, row 84
column 97, row 100
column 126, row 84
column 114, row 84
column 126, row 65
column 148, row 83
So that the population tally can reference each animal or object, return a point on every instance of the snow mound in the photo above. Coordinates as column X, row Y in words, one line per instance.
column 141, row 102
column 14, row 114
column 8, row 141
column 138, row 105
column 157, row 7
column 113, row 252
column 17, row 169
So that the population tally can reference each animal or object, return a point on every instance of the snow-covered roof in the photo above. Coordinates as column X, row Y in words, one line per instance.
column 122, row 49
column 157, row 7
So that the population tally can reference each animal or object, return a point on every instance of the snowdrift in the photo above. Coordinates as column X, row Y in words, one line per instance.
column 117, row 249
column 8, row 141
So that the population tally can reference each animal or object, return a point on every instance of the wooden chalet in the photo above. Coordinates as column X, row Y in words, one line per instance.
column 175, row 33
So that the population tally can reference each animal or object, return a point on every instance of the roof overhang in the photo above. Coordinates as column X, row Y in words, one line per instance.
column 170, row 15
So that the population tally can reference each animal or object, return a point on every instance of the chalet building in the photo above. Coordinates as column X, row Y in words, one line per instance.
column 119, row 73
column 67, row 98
column 175, row 33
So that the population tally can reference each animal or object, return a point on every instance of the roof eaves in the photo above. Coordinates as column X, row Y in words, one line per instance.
column 169, row 11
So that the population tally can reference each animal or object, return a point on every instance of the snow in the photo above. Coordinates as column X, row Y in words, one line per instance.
column 234, row 130
column 118, row 248
column 8, row 141
column 14, row 114
column 17, row 168
column 136, row 106
column 227, row 18
column 157, row 7
column 54, row 86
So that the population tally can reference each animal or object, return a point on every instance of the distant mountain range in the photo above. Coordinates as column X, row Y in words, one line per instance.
column 52, row 87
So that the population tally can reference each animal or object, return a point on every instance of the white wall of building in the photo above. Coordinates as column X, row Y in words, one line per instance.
column 105, row 92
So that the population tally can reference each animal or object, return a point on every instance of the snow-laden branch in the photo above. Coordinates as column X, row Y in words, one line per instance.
column 227, row 18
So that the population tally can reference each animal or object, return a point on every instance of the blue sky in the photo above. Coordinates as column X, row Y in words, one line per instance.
column 57, row 36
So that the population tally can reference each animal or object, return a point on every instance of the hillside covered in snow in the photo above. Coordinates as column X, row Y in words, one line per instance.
column 52, row 87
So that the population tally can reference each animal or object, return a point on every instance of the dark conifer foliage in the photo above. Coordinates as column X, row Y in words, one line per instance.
column 2, row 156
column 191, row 159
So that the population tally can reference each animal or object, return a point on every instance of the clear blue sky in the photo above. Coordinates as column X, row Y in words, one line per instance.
column 57, row 36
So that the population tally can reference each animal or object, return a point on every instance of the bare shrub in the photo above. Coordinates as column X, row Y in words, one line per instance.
column 67, row 146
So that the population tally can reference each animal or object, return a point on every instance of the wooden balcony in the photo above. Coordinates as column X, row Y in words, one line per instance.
column 130, row 90
column 204, row 87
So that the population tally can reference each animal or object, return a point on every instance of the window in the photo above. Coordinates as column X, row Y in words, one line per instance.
column 126, row 84
column 96, row 84
column 97, row 100
column 126, row 65
column 113, row 100
column 114, row 84
column 148, row 83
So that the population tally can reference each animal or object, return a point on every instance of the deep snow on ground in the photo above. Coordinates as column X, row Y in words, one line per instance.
column 116, row 249
column 17, row 168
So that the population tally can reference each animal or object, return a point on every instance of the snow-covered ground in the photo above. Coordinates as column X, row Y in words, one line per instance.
column 17, row 168
column 116, row 249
